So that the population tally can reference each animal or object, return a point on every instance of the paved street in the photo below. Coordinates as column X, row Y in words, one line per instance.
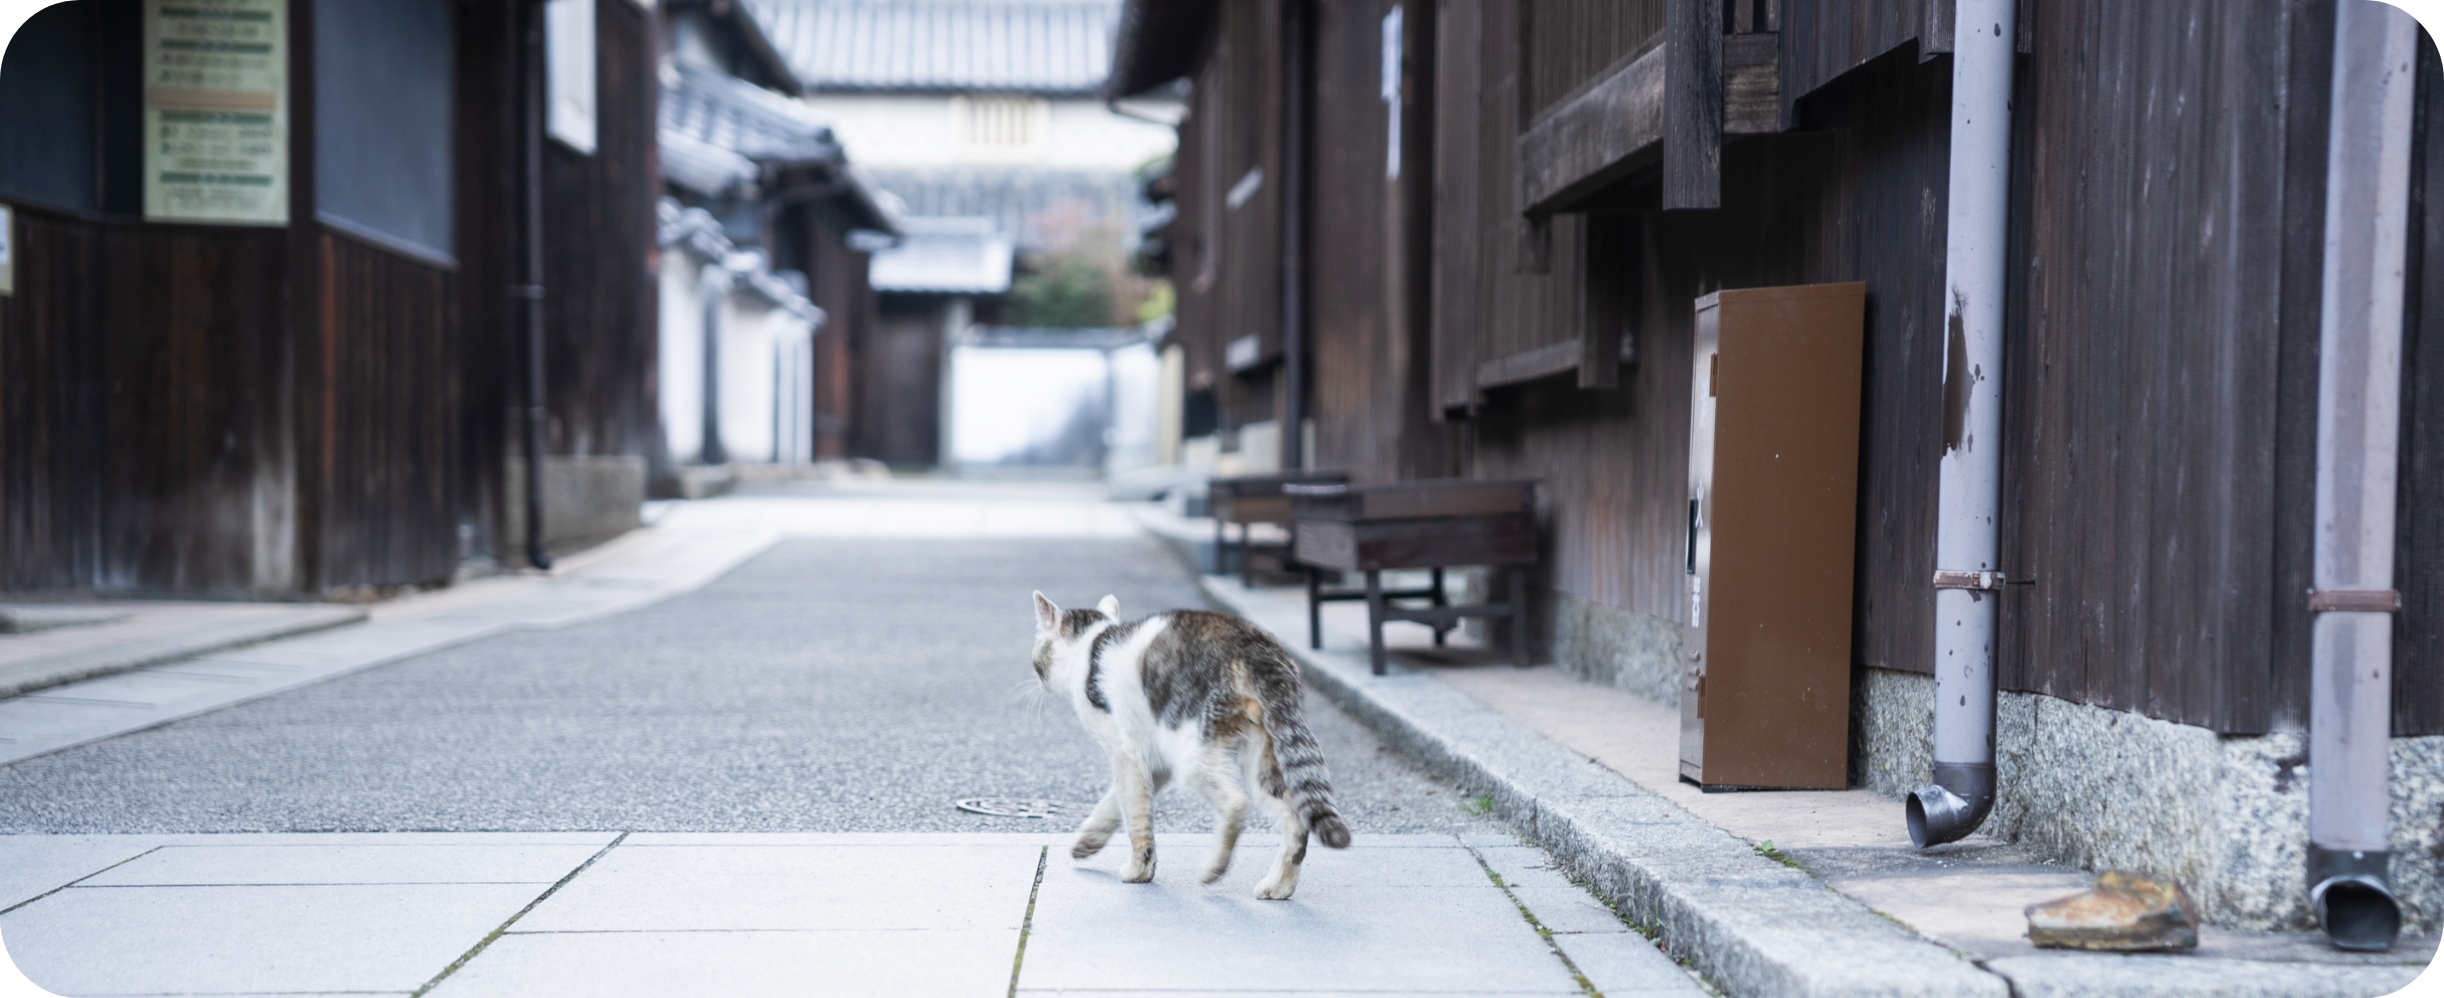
column 748, row 789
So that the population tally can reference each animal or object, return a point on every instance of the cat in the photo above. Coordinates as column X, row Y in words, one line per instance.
column 1205, row 696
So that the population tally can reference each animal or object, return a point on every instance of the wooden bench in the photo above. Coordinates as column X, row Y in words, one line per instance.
column 1248, row 500
column 1428, row 524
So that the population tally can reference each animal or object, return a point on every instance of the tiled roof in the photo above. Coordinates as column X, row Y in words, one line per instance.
column 1047, row 47
column 944, row 256
column 725, row 113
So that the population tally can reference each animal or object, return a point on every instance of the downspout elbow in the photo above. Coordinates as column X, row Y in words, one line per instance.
column 1953, row 806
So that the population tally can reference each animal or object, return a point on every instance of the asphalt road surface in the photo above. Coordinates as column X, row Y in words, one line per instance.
column 826, row 685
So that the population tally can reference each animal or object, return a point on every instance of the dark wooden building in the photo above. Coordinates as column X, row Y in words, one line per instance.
column 1511, row 206
column 261, row 338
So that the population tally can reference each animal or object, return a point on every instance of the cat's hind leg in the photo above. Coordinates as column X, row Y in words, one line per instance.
column 1099, row 824
column 1135, row 787
column 1217, row 780
column 1265, row 775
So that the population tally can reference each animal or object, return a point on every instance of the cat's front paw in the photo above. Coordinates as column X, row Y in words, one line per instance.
column 1215, row 870
column 1088, row 845
column 1141, row 867
column 1279, row 886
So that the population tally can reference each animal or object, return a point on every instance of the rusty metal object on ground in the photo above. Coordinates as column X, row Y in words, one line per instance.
column 2124, row 912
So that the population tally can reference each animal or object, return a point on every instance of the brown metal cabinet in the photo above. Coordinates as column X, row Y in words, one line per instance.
column 1773, row 496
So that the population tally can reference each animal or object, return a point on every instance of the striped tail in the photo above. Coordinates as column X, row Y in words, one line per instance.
column 1300, row 765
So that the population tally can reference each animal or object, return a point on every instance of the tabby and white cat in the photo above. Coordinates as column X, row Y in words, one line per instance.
column 1202, row 696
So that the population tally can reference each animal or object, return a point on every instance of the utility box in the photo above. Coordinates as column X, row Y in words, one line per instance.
column 1773, row 504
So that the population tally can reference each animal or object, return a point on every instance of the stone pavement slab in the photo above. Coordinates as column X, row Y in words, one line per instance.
column 747, row 915
column 849, row 964
column 90, row 941
column 802, row 888
column 193, row 864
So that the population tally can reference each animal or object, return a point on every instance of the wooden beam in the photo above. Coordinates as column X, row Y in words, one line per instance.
column 1752, row 84
column 1608, row 129
column 1693, row 104
column 1529, row 365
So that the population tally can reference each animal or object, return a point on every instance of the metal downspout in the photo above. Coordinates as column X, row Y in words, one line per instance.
column 712, row 285
column 2367, row 206
column 1294, row 235
column 1967, row 585
column 531, row 289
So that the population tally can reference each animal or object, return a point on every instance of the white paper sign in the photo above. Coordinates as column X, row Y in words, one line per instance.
column 568, row 38
column 8, row 257
column 216, row 114
column 1391, row 90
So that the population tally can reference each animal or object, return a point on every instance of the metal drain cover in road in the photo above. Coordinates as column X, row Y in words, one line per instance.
column 1011, row 807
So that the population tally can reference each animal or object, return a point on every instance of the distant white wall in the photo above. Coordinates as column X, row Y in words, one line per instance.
column 892, row 130
column 679, row 378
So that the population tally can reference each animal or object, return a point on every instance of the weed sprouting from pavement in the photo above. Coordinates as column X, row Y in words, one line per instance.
column 1767, row 850
column 1481, row 804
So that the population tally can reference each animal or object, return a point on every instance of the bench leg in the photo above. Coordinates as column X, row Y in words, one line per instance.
column 1247, row 555
column 1519, row 622
column 1439, row 627
column 1374, row 618
column 1315, row 608
column 1221, row 548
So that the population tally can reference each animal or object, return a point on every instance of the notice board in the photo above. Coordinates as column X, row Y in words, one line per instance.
column 216, row 115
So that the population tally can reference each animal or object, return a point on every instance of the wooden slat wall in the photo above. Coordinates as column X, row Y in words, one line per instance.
column 385, row 419
column 1861, row 201
column 2418, row 634
column 52, row 387
column 1368, row 249
column 1459, row 208
column 598, row 236
column 1823, row 39
column 1250, row 244
column 196, row 364
column 1529, row 282
column 1569, row 42
column 2141, row 417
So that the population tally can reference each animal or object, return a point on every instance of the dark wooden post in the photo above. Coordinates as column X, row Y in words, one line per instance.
column 1693, row 104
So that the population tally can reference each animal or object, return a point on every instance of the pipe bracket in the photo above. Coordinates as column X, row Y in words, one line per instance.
column 2354, row 601
column 1986, row 581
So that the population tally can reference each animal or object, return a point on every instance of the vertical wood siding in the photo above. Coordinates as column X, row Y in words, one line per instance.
column 52, row 387
column 2141, row 386
column 1569, row 42
column 385, row 419
column 598, row 236
column 2418, row 632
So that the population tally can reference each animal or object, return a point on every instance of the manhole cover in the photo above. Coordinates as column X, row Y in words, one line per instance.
column 1011, row 807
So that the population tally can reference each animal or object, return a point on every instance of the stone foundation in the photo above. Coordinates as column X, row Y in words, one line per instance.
column 2098, row 789
column 586, row 500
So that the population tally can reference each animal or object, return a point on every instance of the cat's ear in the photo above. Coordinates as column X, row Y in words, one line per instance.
column 1047, row 616
column 1110, row 607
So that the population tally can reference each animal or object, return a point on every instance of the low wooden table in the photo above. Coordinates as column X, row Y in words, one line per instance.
column 1252, row 499
column 1429, row 524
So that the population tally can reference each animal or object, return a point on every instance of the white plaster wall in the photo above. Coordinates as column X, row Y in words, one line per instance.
column 890, row 130
column 679, row 374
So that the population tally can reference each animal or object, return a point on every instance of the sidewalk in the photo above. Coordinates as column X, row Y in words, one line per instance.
column 1591, row 773
column 173, row 677
column 67, row 642
column 605, row 914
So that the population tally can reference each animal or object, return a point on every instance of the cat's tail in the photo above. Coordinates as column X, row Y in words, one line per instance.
column 1300, row 763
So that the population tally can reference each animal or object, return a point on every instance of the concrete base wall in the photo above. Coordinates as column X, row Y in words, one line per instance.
column 2086, row 786
column 2102, row 789
column 585, row 500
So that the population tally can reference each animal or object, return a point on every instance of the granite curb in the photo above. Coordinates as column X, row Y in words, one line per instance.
column 76, row 666
column 1748, row 923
